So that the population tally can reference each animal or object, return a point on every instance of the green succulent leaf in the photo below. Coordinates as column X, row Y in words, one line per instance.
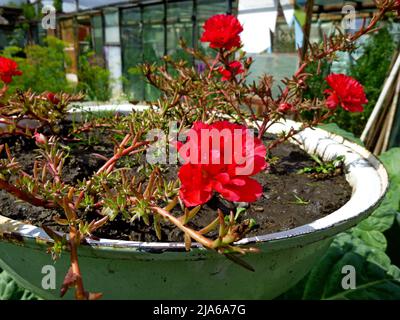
column 9, row 289
column 376, row 277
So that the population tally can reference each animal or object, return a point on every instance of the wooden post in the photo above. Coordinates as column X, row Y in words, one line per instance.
column 382, row 98
column 307, row 27
column 391, row 115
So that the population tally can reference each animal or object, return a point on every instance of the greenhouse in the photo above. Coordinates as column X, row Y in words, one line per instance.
column 193, row 150
column 124, row 34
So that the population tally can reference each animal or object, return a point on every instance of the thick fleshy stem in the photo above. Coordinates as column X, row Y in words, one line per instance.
column 24, row 196
column 176, row 221
column 74, row 240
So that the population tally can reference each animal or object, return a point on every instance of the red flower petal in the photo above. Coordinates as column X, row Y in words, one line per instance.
column 346, row 92
column 244, row 189
column 6, row 78
column 222, row 31
column 233, row 70
column 196, row 188
column 285, row 107
column 53, row 98
column 226, row 74
column 232, row 153
column 8, row 69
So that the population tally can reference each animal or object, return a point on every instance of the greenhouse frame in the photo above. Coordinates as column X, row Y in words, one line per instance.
column 128, row 34
column 123, row 34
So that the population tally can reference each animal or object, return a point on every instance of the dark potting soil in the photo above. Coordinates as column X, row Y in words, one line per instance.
column 289, row 200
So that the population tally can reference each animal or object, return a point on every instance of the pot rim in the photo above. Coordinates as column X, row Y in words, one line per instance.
column 366, row 174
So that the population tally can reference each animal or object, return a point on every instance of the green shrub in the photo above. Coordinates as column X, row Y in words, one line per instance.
column 58, row 5
column 370, row 70
column 94, row 80
column 317, row 84
column 43, row 67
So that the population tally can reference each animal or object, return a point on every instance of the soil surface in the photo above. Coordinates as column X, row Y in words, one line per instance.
column 290, row 199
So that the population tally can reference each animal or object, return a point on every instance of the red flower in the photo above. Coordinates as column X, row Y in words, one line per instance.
column 284, row 107
column 53, row 98
column 8, row 69
column 222, row 31
column 346, row 92
column 220, row 157
column 234, row 68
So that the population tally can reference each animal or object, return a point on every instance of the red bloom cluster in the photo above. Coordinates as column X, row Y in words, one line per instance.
column 346, row 92
column 8, row 69
column 222, row 31
column 285, row 107
column 234, row 68
column 52, row 97
column 220, row 157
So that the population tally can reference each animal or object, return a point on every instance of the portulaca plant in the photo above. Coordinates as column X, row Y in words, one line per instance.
column 222, row 120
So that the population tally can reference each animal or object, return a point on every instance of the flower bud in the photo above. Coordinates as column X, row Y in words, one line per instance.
column 53, row 98
column 40, row 138
column 249, row 60
column 284, row 107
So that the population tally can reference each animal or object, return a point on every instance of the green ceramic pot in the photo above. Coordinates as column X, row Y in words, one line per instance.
column 139, row 270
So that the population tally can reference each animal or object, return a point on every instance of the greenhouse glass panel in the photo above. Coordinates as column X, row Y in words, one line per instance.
column 208, row 8
column 97, row 35
column 113, row 59
column 205, row 9
column 179, row 25
column 132, row 53
column 3, row 39
column 111, row 19
column 153, row 42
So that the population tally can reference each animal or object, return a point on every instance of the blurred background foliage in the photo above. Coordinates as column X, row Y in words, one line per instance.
column 370, row 69
column 94, row 80
column 44, row 69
